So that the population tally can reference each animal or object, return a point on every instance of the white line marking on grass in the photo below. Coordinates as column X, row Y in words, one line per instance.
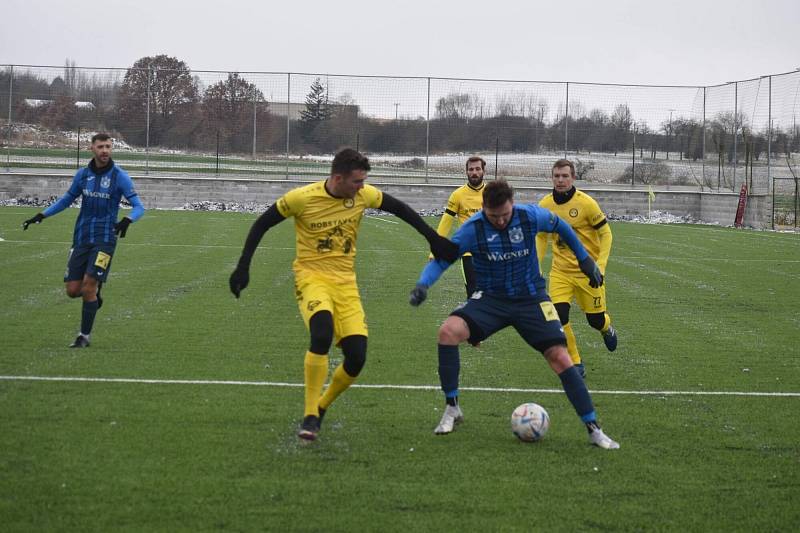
column 366, row 250
column 390, row 387
column 238, row 247
column 382, row 219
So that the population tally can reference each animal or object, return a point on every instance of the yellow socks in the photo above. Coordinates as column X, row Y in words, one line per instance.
column 606, row 323
column 341, row 382
column 315, row 370
column 572, row 344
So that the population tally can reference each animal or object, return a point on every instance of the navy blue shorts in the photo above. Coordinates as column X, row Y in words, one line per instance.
column 534, row 317
column 91, row 259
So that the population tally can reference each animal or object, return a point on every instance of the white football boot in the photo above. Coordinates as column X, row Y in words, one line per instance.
column 452, row 416
column 601, row 440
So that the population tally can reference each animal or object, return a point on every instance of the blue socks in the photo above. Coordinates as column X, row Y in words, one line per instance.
column 449, row 367
column 578, row 394
column 87, row 317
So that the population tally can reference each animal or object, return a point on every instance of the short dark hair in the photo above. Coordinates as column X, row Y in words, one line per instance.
column 347, row 160
column 563, row 163
column 497, row 193
column 100, row 137
column 473, row 159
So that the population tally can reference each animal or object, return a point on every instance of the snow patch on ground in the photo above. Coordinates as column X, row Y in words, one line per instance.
column 655, row 217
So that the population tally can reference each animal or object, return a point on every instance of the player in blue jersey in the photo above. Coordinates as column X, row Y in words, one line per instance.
column 100, row 185
column 510, row 292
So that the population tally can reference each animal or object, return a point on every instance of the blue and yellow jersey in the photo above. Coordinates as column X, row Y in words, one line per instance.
column 584, row 215
column 326, row 227
column 100, row 194
column 505, row 260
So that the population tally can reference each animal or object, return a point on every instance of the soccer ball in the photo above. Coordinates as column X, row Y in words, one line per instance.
column 529, row 422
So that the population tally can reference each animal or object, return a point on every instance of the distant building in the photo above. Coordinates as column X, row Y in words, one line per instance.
column 35, row 103
column 279, row 109
column 32, row 102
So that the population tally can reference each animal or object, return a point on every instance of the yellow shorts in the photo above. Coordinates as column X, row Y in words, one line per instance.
column 317, row 293
column 563, row 287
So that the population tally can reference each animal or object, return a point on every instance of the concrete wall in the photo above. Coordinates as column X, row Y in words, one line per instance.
column 167, row 193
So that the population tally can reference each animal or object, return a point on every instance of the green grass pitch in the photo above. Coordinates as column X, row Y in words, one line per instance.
column 209, row 444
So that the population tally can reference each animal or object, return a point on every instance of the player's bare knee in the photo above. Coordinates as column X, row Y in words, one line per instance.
column 558, row 358
column 452, row 333
column 88, row 290
column 73, row 292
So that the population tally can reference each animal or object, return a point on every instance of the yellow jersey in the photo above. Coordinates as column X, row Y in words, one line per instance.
column 583, row 213
column 462, row 204
column 326, row 227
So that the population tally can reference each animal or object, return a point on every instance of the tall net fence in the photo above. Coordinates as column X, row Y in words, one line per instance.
column 169, row 120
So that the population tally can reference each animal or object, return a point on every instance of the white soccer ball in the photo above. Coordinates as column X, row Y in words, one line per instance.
column 529, row 422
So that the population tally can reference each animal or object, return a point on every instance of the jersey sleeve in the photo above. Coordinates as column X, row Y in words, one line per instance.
column 445, row 224
column 70, row 196
column 464, row 238
column 594, row 214
column 373, row 197
column 604, row 234
column 452, row 204
column 291, row 204
column 126, row 185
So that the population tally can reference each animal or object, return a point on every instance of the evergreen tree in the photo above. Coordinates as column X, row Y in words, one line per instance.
column 317, row 108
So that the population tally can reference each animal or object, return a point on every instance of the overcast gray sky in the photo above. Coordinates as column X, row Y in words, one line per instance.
column 692, row 42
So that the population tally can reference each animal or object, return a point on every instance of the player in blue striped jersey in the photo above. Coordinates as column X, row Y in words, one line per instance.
column 100, row 185
column 510, row 292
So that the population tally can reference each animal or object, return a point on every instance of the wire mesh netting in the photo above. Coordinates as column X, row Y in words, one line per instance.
column 169, row 120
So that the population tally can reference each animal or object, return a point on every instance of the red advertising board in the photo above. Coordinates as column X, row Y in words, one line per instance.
column 738, row 222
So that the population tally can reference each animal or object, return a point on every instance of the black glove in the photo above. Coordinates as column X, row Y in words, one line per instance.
column 239, row 280
column 592, row 271
column 443, row 248
column 418, row 295
column 121, row 227
column 37, row 218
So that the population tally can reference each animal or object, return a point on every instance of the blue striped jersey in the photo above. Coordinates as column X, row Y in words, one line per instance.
column 100, row 194
column 505, row 260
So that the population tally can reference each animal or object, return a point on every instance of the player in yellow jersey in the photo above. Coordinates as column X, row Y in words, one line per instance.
column 566, row 281
column 462, row 204
column 327, row 215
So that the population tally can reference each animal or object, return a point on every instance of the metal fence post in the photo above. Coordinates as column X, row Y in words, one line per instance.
column 773, row 206
column 633, row 157
column 78, row 149
column 147, row 124
column 428, row 131
column 254, row 126
column 703, row 164
column 769, row 135
column 8, row 135
column 566, row 123
column 288, row 118
column 735, row 132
